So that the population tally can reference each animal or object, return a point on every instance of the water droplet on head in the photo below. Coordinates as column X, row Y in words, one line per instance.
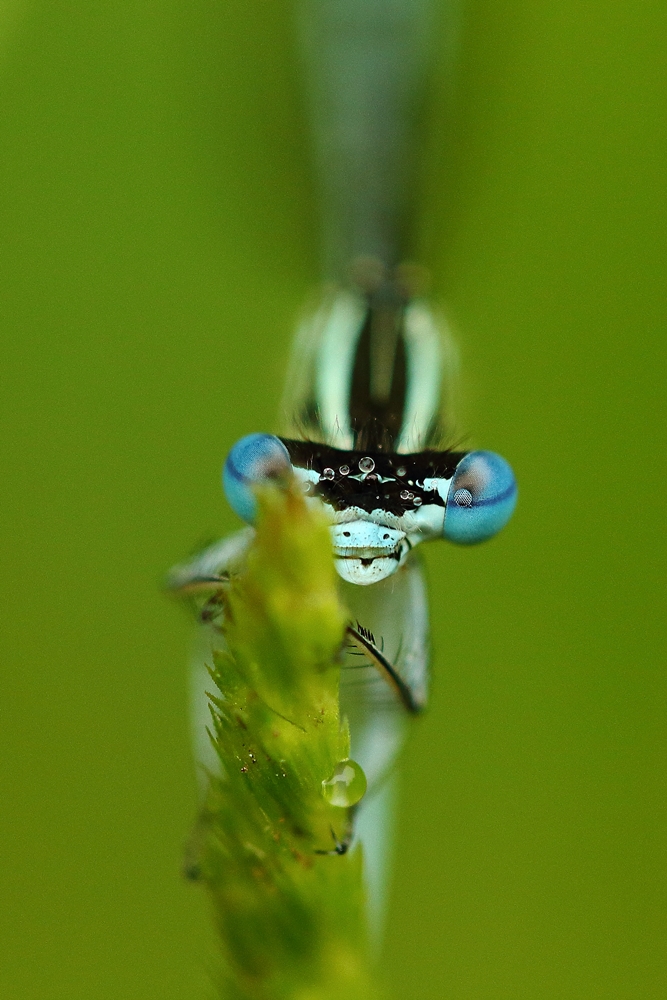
column 405, row 495
column 346, row 786
column 327, row 474
column 417, row 501
column 401, row 471
column 366, row 464
column 344, row 470
column 463, row 498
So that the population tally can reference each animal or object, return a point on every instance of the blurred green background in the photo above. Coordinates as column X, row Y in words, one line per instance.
column 157, row 241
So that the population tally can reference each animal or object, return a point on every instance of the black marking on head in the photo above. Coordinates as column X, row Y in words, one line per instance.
column 369, row 492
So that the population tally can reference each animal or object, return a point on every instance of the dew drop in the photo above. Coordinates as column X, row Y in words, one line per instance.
column 346, row 786
column 405, row 495
column 417, row 501
column 327, row 474
column 366, row 464
column 463, row 498
column 402, row 471
column 344, row 470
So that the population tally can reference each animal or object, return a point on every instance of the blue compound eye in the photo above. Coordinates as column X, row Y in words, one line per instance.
column 255, row 459
column 481, row 498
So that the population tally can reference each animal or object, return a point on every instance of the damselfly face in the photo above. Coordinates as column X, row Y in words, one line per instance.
column 365, row 383
column 380, row 505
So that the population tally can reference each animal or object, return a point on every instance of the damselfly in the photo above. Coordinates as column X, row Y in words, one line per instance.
column 364, row 427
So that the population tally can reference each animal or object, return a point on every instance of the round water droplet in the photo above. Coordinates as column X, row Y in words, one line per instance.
column 463, row 498
column 417, row 501
column 366, row 464
column 327, row 474
column 344, row 470
column 401, row 471
column 405, row 495
column 346, row 786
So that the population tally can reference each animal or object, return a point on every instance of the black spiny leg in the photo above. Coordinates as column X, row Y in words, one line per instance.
column 365, row 642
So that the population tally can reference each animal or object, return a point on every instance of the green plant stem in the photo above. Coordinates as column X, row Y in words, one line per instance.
column 289, row 909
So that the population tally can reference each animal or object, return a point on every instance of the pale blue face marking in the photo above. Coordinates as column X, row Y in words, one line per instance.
column 481, row 498
column 255, row 459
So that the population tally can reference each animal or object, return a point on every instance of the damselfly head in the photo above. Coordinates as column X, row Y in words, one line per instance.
column 379, row 505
